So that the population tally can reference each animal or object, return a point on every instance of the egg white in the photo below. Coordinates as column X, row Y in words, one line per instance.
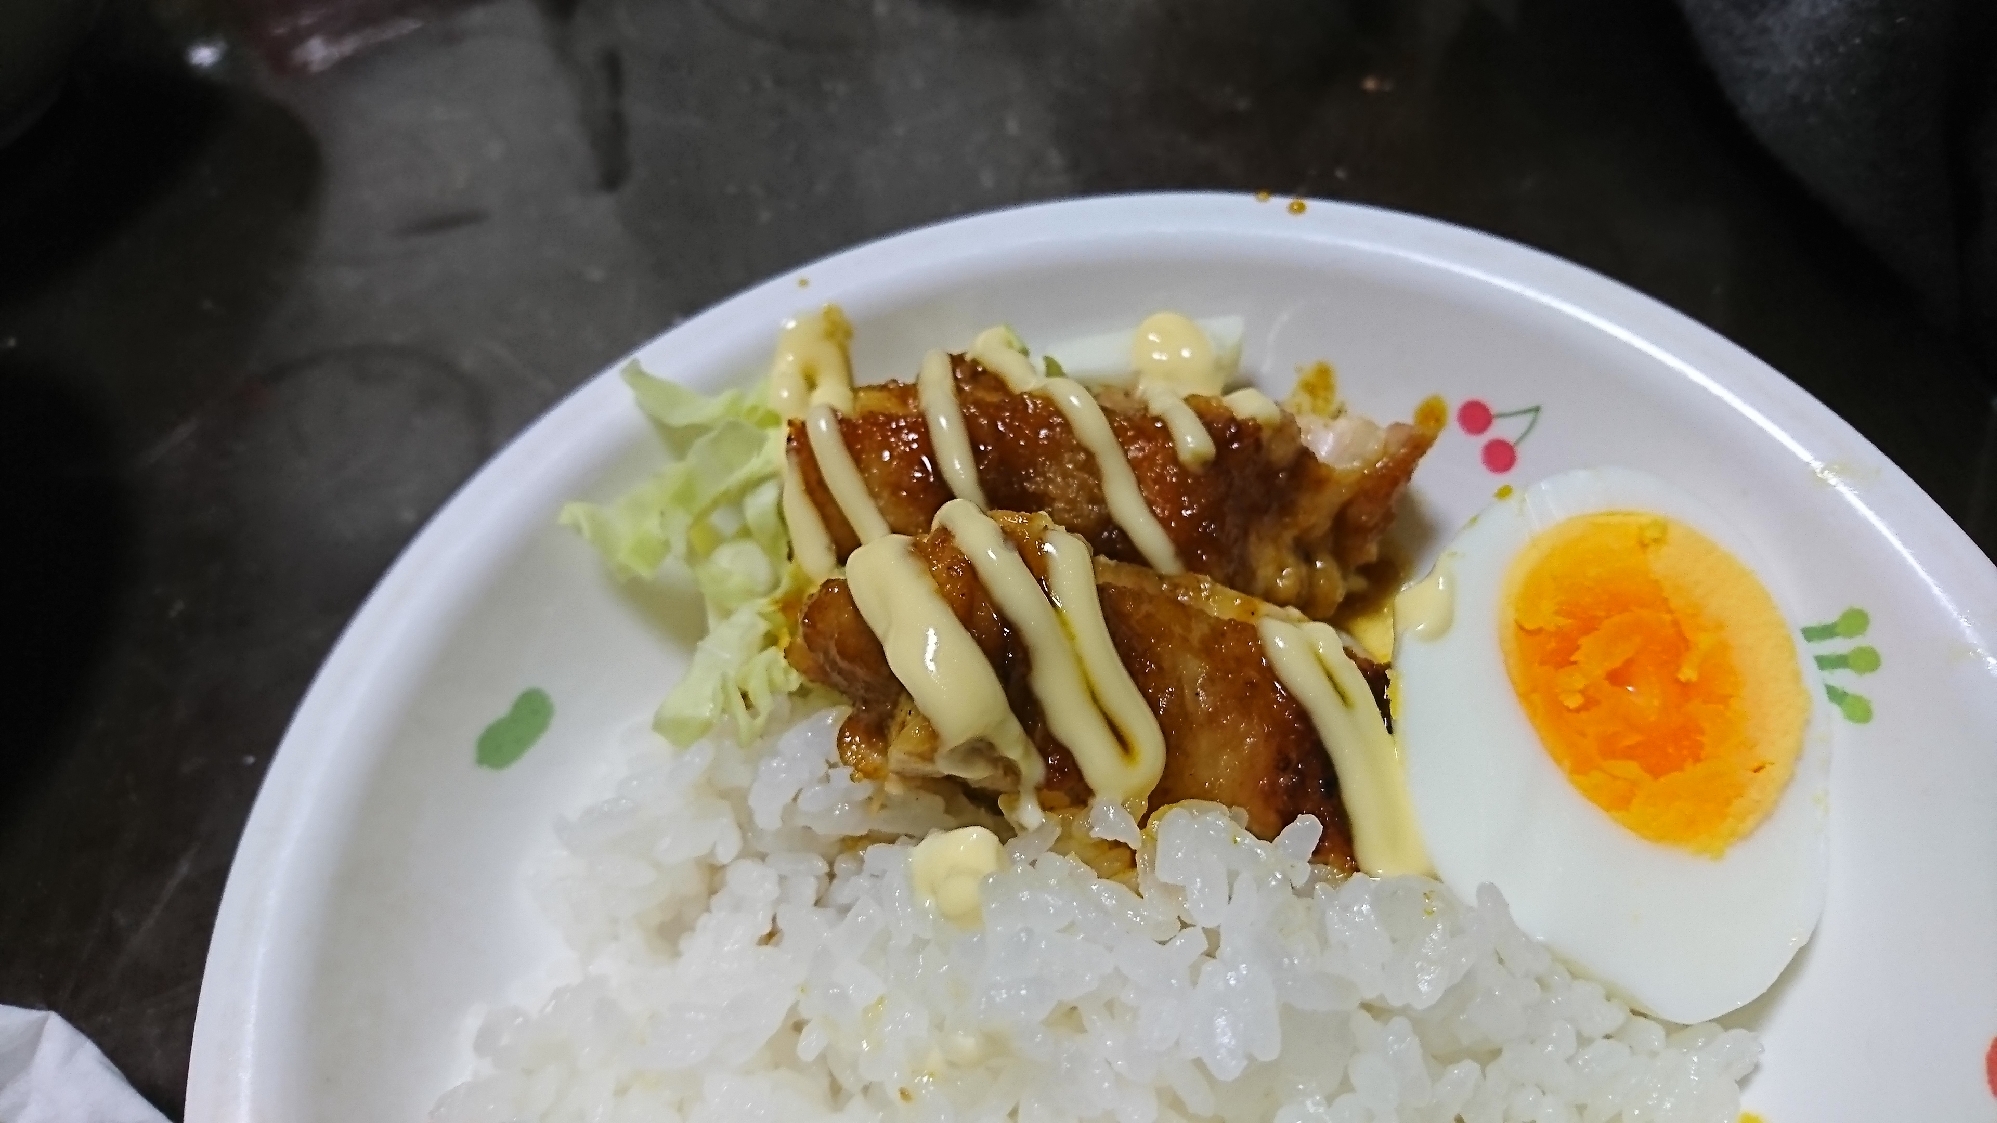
column 1685, row 937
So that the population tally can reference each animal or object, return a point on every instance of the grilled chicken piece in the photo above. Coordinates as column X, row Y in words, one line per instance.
column 1266, row 516
column 1233, row 734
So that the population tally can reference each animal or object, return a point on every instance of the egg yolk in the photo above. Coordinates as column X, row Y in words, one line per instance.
column 1658, row 674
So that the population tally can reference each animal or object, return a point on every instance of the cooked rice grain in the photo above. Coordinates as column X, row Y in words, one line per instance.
column 745, row 955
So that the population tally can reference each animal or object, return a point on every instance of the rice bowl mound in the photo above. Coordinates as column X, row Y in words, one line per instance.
column 748, row 945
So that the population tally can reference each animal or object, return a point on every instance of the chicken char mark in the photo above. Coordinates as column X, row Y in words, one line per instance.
column 1265, row 516
column 1232, row 733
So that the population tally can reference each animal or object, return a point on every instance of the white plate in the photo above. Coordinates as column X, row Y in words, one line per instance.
column 376, row 900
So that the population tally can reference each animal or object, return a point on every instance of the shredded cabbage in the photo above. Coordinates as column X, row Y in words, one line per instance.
column 716, row 510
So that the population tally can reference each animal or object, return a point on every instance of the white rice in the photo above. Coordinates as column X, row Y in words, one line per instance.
column 745, row 955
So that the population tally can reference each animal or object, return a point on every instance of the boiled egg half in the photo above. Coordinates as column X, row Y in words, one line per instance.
column 1603, row 713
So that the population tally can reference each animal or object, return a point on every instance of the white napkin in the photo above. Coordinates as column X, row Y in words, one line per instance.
column 49, row 1073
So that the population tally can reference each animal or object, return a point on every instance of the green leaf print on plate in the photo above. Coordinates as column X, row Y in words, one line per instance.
column 509, row 738
column 1860, row 660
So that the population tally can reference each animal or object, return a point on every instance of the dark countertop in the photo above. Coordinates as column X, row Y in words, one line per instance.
column 256, row 325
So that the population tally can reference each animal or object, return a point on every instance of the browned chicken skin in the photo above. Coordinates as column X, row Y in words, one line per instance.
column 1232, row 733
column 1266, row 516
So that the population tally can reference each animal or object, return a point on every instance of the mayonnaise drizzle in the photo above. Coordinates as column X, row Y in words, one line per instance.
column 943, row 668
column 936, row 385
column 1311, row 662
column 1077, row 676
column 811, row 366
column 1189, row 435
column 998, row 350
column 810, row 542
column 1126, row 503
column 1071, row 581
column 1173, row 351
column 949, row 869
column 1173, row 358
column 842, row 476
column 1427, row 608
column 811, row 377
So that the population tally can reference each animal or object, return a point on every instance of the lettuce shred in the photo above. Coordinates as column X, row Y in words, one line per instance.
column 716, row 510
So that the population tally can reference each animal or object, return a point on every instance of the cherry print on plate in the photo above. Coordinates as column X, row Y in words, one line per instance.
column 1500, row 454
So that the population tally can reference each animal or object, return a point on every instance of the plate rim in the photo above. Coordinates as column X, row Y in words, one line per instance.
column 261, row 928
